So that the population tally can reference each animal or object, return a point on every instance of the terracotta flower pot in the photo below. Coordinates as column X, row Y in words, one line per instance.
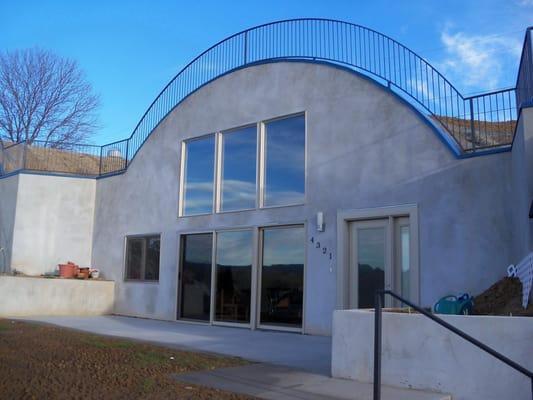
column 68, row 270
column 83, row 273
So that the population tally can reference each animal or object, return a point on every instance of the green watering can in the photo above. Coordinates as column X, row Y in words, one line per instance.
column 461, row 305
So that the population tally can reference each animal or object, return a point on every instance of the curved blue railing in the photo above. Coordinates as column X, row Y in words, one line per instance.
column 472, row 123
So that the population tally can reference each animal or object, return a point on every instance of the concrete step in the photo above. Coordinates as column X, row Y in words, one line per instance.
column 266, row 381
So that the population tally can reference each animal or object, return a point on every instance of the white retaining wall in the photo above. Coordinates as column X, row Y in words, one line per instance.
column 28, row 296
column 419, row 353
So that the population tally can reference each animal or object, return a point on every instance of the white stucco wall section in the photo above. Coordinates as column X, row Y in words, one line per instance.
column 417, row 352
column 8, row 208
column 522, row 185
column 29, row 296
column 365, row 149
column 53, row 223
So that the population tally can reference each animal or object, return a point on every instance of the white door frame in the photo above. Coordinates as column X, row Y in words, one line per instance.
column 344, row 217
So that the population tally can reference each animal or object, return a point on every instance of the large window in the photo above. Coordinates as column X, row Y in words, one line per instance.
column 199, row 176
column 228, row 163
column 196, row 276
column 284, row 168
column 233, row 276
column 238, row 169
column 142, row 258
column 282, row 276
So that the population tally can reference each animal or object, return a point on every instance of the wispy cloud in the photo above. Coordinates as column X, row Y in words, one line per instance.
column 525, row 3
column 478, row 62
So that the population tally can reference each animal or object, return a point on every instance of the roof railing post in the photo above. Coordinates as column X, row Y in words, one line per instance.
column 472, row 125
column 126, row 158
column 100, row 166
column 24, row 153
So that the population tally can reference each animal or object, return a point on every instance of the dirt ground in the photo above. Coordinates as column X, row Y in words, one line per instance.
column 502, row 298
column 44, row 362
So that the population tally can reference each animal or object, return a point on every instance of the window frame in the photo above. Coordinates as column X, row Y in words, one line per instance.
column 263, row 153
column 220, row 167
column 183, row 173
column 146, row 237
column 260, row 182
column 257, row 259
column 260, row 251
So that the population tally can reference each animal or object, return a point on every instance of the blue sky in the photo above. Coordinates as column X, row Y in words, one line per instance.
column 131, row 49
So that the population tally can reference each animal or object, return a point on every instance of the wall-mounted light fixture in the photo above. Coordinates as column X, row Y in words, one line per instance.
column 320, row 221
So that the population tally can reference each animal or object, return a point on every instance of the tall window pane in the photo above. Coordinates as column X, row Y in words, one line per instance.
column 285, row 161
column 196, row 276
column 233, row 276
column 239, row 153
column 282, row 276
column 199, row 176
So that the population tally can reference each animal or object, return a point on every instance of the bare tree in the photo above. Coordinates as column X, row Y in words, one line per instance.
column 44, row 97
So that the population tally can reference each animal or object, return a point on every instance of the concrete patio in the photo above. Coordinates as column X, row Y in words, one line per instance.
column 309, row 353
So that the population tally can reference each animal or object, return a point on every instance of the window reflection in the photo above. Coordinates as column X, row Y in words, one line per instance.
column 285, row 161
column 199, row 176
column 371, row 264
column 196, row 276
column 233, row 276
column 142, row 258
column 238, row 175
column 134, row 258
column 282, row 276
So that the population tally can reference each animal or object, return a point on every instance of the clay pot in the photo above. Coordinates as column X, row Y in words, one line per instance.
column 68, row 270
column 83, row 273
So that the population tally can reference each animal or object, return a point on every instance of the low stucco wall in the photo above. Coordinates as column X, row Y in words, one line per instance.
column 419, row 353
column 26, row 296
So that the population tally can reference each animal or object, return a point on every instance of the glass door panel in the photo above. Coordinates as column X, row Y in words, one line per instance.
column 371, row 264
column 233, row 276
column 403, row 261
column 282, row 276
column 196, row 277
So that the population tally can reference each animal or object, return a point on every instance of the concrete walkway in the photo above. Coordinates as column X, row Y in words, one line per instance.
column 309, row 353
column 282, row 383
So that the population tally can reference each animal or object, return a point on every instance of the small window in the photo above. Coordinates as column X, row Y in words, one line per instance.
column 142, row 258
column 238, row 169
column 199, row 176
column 284, row 179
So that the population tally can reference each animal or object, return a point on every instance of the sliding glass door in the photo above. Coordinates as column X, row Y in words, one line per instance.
column 222, row 282
column 233, row 280
column 282, row 277
column 196, row 264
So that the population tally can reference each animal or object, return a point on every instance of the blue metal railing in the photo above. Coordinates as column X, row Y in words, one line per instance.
column 473, row 123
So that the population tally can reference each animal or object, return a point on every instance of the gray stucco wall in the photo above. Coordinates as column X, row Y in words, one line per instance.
column 53, row 224
column 365, row 148
column 522, row 186
column 8, row 207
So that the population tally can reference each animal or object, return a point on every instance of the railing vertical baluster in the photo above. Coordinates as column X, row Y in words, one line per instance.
column 100, row 166
column 472, row 126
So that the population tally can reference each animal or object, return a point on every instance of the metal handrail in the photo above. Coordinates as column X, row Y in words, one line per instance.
column 379, row 300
